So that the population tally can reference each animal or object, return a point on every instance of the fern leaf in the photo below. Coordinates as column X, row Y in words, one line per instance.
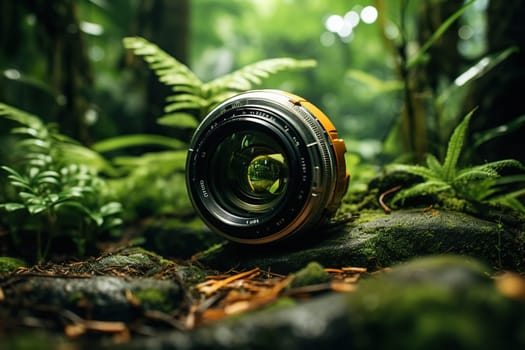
column 169, row 70
column 499, row 165
column 434, row 165
column 455, row 146
column 421, row 189
column 179, row 120
column 474, row 174
column 254, row 74
column 20, row 116
column 419, row 170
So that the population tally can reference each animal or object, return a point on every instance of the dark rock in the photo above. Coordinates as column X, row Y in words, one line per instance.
column 429, row 303
column 100, row 297
column 382, row 241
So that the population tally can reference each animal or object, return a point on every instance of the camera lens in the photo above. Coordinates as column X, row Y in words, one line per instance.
column 251, row 172
column 264, row 165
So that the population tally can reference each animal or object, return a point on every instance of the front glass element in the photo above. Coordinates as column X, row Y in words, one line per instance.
column 250, row 172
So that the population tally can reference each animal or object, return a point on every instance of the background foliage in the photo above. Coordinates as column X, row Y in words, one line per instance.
column 396, row 77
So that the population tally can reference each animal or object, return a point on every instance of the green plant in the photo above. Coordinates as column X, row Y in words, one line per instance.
column 482, row 183
column 192, row 98
column 51, row 196
column 153, row 182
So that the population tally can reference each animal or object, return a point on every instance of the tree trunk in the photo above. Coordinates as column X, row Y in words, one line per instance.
column 498, row 93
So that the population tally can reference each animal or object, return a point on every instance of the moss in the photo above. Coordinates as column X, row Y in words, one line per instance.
column 74, row 298
column 435, row 303
column 9, row 264
column 313, row 273
column 155, row 299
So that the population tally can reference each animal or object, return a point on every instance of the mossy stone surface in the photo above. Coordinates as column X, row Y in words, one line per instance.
column 313, row 273
column 443, row 302
column 9, row 264
column 104, row 298
column 383, row 241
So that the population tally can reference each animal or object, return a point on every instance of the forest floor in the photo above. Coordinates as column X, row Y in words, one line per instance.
column 420, row 268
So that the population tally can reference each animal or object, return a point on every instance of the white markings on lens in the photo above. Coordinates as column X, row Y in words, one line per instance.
column 312, row 144
column 203, row 189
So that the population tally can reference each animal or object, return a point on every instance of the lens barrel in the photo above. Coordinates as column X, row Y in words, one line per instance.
column 265, row 165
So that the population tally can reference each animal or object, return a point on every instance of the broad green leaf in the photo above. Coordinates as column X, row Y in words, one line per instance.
column 120, row 142
column 483, row 66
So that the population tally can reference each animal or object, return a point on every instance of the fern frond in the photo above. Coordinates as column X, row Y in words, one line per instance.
column 434, row 164
column 419, row 170
column 20, row 116
column 169, row 70
column 421, row 189
column 510, row 199
column 499, row 165
column 474, row 174
column 455, row 146
column 254, row 74
column 179, row 120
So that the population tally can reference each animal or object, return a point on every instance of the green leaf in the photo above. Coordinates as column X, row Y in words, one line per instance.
column 13, row 172
column 416, row 170
column 36, row 208
column 177, row 106
column 437, row 34
column 111, row 208
column 38, row 143
column 434, row 165
column 489, row 135
column 25, row 131
column 499, row 165
column 19, row 184
column 11, row 206
column 169, row 70
column 374, row 84
column 421, row 189
column 20, row 116
column 119, row 142
column 179, row 120
column 246, row 77
column 455, row 146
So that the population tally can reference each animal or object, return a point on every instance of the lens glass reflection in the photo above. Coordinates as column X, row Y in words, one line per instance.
column 250, row 172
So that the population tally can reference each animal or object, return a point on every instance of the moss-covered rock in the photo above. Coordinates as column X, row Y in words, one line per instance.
column 445, row 302
column 383, row 241
column 435, row 303
column 313, row 273
column 100, row 297
column 9, row 264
